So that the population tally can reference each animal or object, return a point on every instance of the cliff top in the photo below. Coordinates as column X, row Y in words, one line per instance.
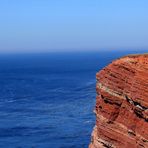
column 133, row 73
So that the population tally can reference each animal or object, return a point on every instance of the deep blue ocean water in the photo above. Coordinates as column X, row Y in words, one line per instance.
column 47, row 100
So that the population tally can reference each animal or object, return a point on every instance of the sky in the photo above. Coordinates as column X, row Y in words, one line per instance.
column 67, row 25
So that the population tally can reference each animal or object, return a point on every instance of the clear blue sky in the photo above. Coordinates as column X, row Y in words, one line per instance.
column 57, row 25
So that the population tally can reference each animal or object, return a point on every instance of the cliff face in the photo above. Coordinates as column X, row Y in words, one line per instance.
column 122, row 104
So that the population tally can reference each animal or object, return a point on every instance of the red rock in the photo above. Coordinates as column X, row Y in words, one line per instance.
column 122, row 104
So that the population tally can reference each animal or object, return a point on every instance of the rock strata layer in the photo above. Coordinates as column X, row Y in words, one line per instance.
column 122, row 104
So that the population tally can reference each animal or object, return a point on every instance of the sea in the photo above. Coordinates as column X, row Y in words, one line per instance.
column 47, row 99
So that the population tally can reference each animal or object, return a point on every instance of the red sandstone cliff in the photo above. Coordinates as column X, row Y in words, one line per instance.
column 122, row 104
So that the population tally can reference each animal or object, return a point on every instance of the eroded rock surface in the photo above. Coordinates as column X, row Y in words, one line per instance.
column 122, row 104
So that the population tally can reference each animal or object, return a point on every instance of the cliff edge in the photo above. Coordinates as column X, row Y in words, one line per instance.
column 122, row 104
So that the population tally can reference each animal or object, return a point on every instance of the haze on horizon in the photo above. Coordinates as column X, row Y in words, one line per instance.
column 66, row 25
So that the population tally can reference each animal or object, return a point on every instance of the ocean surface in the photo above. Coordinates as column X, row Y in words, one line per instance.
column 47, row 100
